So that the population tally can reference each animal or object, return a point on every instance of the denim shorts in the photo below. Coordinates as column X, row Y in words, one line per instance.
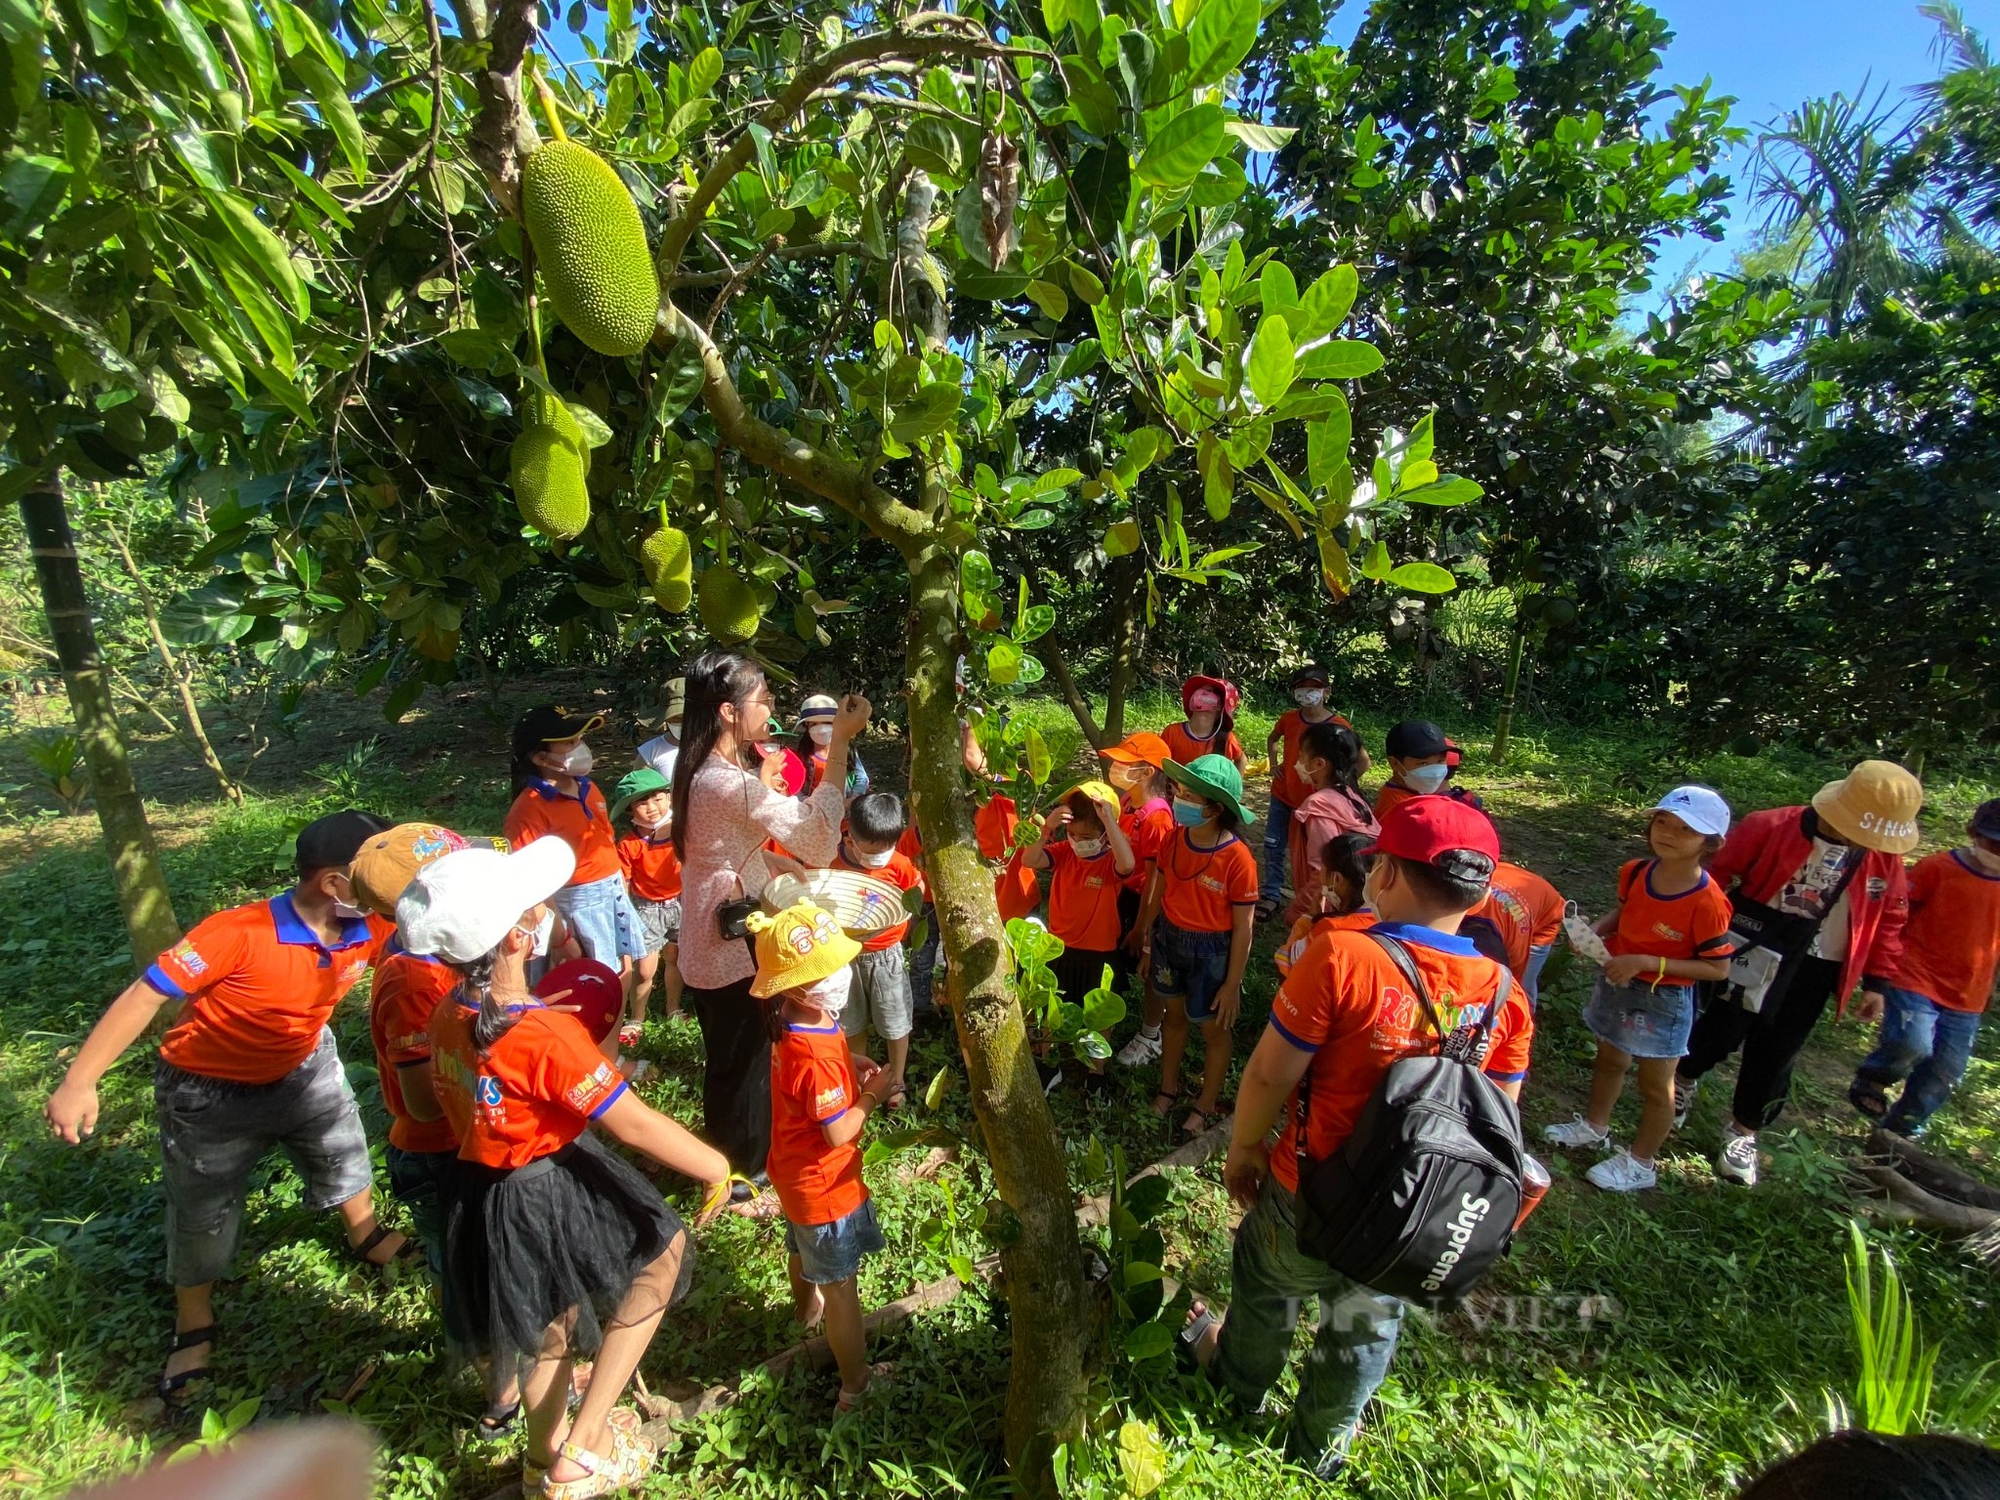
column 659, row 922
column 213, row 1133
column 1189, row 966
column 420, row 1180
column 1640, row 1020
column 880, row 996
column 602, row 916
column 831, row 1253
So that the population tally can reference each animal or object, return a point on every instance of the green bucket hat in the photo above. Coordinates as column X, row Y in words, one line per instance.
column 636, row 784
column 1216, row 778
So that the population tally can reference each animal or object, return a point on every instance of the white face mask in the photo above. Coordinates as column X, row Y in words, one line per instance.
column 579, row 760
column 347, row 912
column 871, row 861
column 830, row 993
column 822, row 734
column 538, row 936
column 1426, row 779
column 1309, row 697
column 1087, row 848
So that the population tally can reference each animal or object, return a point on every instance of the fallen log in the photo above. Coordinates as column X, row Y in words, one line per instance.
column 1092, row 1212
column 1942, row 1213
column 1931, row 1173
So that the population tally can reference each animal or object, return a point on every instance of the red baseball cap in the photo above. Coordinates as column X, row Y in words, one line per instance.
column 1426, row 828
column 593, row 988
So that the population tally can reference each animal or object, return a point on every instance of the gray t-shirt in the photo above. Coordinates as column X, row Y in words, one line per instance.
column 660, row 752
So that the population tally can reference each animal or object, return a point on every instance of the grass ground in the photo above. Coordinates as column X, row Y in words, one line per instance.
column 1669, row 1344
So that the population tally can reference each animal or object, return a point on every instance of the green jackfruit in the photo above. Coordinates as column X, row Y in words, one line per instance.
column 591, row 246
column 540, row 409
column 727, row 604
column 548, row 480
column 669, row 564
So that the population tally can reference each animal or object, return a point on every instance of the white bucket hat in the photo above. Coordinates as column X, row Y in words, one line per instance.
column 460, row 907
column 1700, row 807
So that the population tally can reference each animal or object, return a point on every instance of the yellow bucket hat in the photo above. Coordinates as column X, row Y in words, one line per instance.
column 801, row 945
column 1874, row 805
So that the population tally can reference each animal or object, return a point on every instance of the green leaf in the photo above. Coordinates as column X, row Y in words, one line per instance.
column 21, row 22
column 314, row 194
column 1033, row 520
column 1048, row 482
column 105, row 20
column 1147, row 1341
column 213, row 345
column 1036, row 622
column 1184, row 145
column 263, row 250
column 1139, row 1273
column 1376, row 564
column 940, row 1085
column 33, row 188
column 187, row 33
column 1050, row 298
column 1102, row 179
column 1269, row 367
column 1326, row 450
column 704, row 72
column 1326, row 303
column 930, row 411
column 329, row 91
column 1041, row 764
column 1278, row 289
column 1261, row 137
column 1422, row 578
column 976, row 575
column 679, row 381
column 1003, row 661
column 1222, row 35
column 1449, row 489
column 1339, row 359
column 1121, row 538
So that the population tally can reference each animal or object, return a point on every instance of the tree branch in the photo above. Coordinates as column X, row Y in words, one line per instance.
column 837, row 479
column 690, row 279
column 502, row 132
column 965, row 37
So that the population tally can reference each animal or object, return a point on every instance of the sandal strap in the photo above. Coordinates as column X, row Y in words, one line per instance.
column 189, row 1338
column 380, row 1233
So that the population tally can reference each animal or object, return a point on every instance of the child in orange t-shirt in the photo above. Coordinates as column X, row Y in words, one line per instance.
column 1210, row 726
column 882, row 998
column 821, row 1097
column 1198, row 914
column 653, row 879
column 1087, row 857
column 1137, row 768
column 1669, row 930
column 1341, row 906
column 555, row 1245
column 555, row 798
column 1930, row 1014
column 1288, row 787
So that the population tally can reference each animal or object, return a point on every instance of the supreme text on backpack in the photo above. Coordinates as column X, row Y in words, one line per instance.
column 1420, row 1200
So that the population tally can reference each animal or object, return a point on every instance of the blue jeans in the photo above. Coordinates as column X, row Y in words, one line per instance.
column 1270, row 1278
column 1924, row 1042
column 1277, row 839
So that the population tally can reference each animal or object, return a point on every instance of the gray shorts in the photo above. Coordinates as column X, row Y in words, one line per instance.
column 880, row 996
column 659, row 922
column 213, row 1134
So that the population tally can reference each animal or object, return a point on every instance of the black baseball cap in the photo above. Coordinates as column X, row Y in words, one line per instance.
column 1986, row 819
column 1313, row 673
column 549, row 723
column 331, row 842
column 1414, row 738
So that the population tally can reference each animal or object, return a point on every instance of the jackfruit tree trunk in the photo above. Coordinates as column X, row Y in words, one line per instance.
column 150, row 924
column 1503, row 727
column 1043, row 1264
column 1123, row 583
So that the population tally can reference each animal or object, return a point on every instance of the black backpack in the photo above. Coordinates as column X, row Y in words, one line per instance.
column 1420, row 1200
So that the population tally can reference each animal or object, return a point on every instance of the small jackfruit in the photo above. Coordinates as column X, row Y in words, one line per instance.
column 591, row 246
column 669, row 565
column 548, row 481
column 541, row 409
column 728, row 605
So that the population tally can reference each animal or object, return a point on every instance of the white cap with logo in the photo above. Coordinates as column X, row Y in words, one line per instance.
column 460, row 907
column 1700, row 807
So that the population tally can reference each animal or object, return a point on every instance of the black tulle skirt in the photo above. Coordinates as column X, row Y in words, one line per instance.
column 572, row 1230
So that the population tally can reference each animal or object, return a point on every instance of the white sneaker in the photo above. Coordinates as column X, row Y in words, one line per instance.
column 1684, row 1092
column 1576, row 1132
column 1141, row 1049
column 1622, row 1173
column 1737, row 1160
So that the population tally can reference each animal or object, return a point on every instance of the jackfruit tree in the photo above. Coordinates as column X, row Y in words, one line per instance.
column 436, row 322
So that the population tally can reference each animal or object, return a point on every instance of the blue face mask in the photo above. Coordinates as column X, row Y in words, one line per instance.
column 1190, row 814
column 1426, row 779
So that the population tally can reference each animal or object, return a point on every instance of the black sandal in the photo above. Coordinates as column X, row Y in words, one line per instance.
column 496, row 1419
column 169, row 1387
column 1172, row 1100
column 406, row 1253
column 1201, row 1318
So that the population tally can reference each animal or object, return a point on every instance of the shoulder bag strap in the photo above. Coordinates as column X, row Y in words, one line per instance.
column 1640, row 870
column 1400, row 957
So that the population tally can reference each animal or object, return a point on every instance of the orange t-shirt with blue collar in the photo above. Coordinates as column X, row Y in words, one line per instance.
column 582, row 820
column 534, row 1091
column 407, row 989
column 259, row 985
